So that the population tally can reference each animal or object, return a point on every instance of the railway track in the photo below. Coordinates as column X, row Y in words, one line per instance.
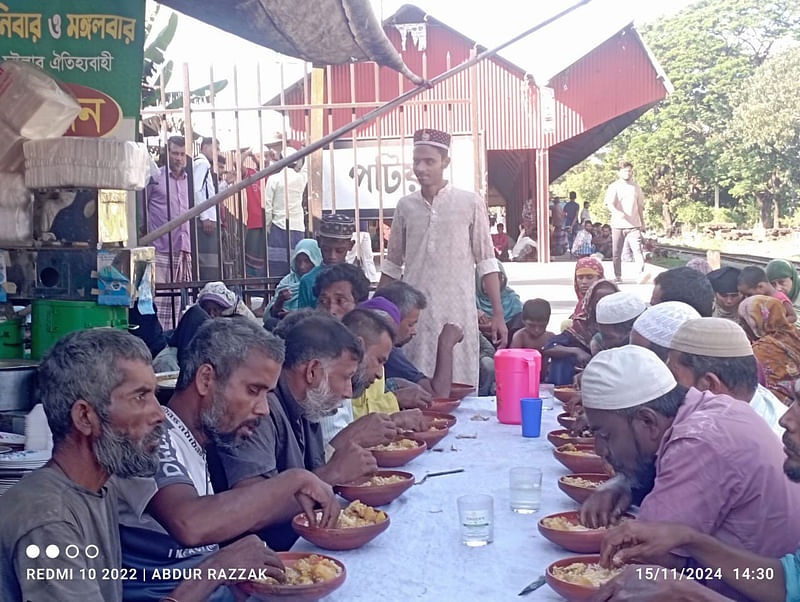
column 675, row 250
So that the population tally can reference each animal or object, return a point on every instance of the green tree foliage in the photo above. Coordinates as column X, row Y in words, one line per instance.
column 707, row 50
column 763, row 151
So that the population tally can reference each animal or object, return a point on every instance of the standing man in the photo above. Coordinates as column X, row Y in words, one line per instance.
column 205, row 186
column 173, row 250
column 285, row 222
column 571, row 222
column 558, row 245
column 625, row 201
column 439, row 236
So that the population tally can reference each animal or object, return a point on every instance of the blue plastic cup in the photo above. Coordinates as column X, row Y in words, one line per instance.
column 531, row 408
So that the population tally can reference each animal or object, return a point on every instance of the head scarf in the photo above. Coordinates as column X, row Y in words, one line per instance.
column 584, row 321
column 699, row 264
column 291, row 281
column 222, row 295
column 780, row 268
column 508, row 297
column 585, row 265
column 777, row 345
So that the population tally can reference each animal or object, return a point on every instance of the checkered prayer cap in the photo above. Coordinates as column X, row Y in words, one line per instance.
column 432, row 137
column 337, row 225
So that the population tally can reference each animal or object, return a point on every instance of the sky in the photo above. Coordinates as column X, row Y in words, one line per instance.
column 204, row 47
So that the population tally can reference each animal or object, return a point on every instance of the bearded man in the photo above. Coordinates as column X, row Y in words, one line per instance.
column 175, row 519
column 322, row 359
column 98, row 391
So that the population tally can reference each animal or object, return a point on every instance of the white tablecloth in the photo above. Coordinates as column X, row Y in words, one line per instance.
column 420, row 555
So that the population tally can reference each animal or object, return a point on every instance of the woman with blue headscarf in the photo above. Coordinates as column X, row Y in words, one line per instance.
column 512, row 306
column 306, row 257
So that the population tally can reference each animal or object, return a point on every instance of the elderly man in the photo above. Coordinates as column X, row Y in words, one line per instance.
column 755, row 577
column 440, row 235
column 655, row 328
column 322, row 356
column 411, row 301
column 174, row 520
column 373, row 325
column 693, row 455
column 335, row 232
column 714, row 354
column 98, row 391
column 686, row 285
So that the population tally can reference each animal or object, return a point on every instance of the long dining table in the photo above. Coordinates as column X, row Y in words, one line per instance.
column 421, row 557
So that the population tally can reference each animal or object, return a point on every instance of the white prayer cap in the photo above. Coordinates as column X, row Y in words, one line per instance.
column 712, row 337
column 659, row 323
column 618, row 308
column 625, row 377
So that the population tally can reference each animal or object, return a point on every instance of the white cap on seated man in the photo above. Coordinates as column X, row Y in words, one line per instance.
column 714, row 354
column 655, row 328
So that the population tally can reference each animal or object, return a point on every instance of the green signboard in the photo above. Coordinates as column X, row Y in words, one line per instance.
column 93, row 46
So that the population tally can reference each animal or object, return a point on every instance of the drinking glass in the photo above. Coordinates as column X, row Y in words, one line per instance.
column 525, row 484
column 476, row 516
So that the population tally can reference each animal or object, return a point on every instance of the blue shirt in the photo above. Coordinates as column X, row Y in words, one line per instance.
column 571, row 210
column 399, row 366
column 305, row 294
column 791, row 574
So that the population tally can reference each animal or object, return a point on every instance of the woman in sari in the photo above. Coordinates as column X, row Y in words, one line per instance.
column 776, row 344
column 572, row 348
column 588, row 270
column 783, row 276
column 306, row 257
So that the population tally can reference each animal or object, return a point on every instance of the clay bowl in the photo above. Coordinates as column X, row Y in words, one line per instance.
column 582, row 542
column 449, row 419
column 556, row 438
column 571, row 591
column 392, row 459
column 337, row 539
column 430, row 437
column 580, row 494
column 444, row 406
column 580, row 463
column 460, row 391
column 297, row 593
column 376, row 495
column 566, row 420
column 566, row 394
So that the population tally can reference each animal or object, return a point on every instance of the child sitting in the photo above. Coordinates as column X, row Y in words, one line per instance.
column 753, row 281
column 602, row 239
column 583, row 245
column 534, row 333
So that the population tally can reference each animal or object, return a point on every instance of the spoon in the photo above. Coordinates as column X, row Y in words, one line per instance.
column 438, row 474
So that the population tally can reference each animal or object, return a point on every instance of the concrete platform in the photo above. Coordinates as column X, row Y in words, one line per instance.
column 554, row 282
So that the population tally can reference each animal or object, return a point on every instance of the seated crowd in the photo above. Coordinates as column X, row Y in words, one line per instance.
column 688, row 399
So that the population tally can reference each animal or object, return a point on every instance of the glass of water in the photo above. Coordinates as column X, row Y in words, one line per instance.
column 476, row 515
column 525, row 484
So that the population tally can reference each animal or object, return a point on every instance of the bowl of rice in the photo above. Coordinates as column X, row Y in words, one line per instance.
column 308, row 577
column 398, row 452
column 380, row 489
column 579, row 458
column 578, row 578
column 580, row 486
column 565, row 529
column 357, row 524
column 562, row 437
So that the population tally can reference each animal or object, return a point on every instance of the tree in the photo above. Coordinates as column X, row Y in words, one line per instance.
column 707, row 50
column 763, row 140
